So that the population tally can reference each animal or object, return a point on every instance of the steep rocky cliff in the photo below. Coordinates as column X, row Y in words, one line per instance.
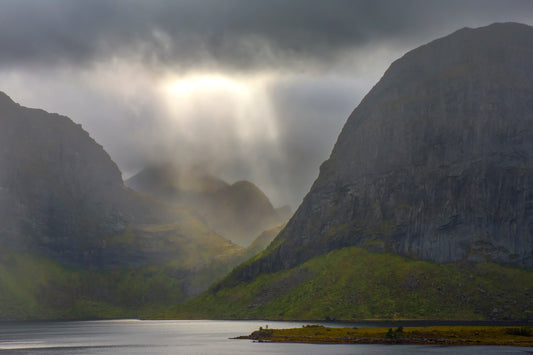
column 62, row 196
column 435, row 163
column 58, row 188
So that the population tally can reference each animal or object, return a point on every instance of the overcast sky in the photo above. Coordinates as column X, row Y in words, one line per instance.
column 254, row 89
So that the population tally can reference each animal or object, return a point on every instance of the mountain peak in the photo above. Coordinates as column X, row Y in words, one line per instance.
column 435, row 166
column 5, row 99
column 435, row 163
column 169, row 177
column 239, row 212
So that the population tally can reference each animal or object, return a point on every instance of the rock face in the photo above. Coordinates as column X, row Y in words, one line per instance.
column 56, row 183
column 435, row 163
column 238, row 212
column 60, row 192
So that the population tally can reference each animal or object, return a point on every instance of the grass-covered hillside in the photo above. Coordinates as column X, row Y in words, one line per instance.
column 37, row 287
column 174, row 262
column 355, row 284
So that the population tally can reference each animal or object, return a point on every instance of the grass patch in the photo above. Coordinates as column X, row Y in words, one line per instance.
column 445, row 335
column 37, row 287
column 353, row 284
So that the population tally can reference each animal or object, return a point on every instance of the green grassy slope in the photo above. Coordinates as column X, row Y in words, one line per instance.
column 354, row 284
column 37, row 287
column 174, row 262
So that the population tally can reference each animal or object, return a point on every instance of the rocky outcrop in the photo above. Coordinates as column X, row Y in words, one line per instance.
column 435, row 163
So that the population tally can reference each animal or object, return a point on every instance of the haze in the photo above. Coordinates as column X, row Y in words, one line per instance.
column 255, row 90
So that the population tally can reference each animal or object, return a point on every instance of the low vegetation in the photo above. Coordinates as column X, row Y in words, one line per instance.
column 36, row 287
column 39, row 287
column 148, row 269
column 348, row 284
column 354, row 284
column 444, row 335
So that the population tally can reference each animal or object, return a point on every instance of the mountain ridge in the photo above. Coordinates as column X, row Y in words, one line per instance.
column 239, row 211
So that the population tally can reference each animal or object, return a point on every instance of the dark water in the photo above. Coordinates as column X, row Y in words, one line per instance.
column 187, row 337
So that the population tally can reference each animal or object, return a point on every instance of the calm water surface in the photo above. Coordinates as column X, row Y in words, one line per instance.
column 187, row 337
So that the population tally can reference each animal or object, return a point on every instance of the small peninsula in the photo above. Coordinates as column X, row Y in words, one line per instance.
column 429, row 335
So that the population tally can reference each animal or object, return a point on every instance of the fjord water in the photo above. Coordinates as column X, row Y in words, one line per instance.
column 186, row 337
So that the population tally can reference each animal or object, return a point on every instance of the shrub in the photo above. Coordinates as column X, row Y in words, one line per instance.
column 395, row 334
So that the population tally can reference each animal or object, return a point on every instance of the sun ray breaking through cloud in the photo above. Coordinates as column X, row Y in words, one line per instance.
column 256, row 90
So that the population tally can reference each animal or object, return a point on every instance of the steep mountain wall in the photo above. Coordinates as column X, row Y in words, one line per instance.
column 435, row 163
column 57, row 184
column 62, row 196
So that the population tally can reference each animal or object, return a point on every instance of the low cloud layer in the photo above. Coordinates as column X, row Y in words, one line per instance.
column 236, row 34
column 256, row 90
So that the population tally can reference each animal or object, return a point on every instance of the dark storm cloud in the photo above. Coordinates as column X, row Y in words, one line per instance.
column 104, row 64
column 232, row 33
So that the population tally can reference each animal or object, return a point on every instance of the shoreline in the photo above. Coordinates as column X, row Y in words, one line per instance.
column 431, row 335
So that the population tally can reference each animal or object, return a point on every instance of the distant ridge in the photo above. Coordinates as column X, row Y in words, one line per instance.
column 238, row 212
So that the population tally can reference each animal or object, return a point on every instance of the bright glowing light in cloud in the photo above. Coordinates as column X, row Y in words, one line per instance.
column 235, row 111
column 204, row 82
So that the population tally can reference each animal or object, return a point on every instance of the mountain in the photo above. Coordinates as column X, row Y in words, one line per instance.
column 427, row 197
column 263, row 240
column 238, row 212
column 76, row 242
column 60, row 193
column 172, row 182
column 55, row 182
